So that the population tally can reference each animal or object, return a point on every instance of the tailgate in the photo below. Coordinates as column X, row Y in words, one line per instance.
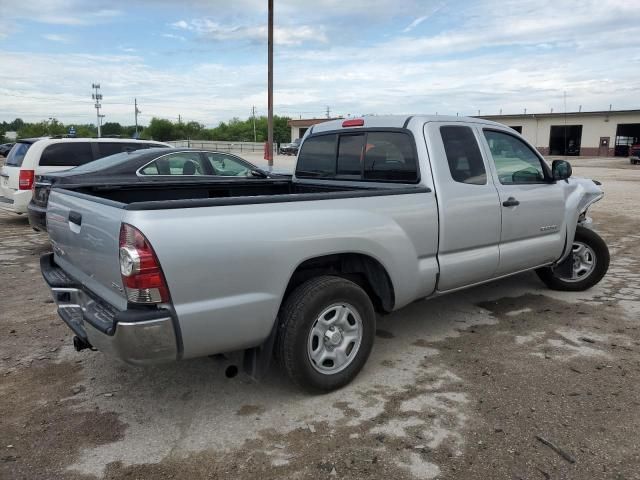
column 85, row 235
column 9, row 180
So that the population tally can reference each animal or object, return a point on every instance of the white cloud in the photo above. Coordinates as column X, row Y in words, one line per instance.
column 415, row 23
column 173, row 36
column 422, row 18
column 54, row 37
column 61, row 12
column 283, row 35
column 492, row 55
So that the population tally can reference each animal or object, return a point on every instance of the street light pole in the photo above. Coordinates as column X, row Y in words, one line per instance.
column 97, row 96
column 270, row 88
column 136, row 112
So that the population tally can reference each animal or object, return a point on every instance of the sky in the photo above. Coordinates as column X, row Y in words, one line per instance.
column 206, row 60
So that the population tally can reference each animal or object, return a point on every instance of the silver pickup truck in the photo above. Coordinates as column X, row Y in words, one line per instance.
column 382, row 211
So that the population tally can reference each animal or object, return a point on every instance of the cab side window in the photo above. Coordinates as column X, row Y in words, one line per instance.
column 463, row 155
column 183, row 163
column 515, row 162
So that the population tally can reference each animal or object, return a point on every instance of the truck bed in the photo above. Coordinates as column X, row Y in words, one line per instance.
column 202, row 194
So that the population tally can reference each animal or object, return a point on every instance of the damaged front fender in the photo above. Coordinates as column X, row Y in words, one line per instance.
column 580, row 194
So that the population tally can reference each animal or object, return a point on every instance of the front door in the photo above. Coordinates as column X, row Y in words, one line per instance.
column 468, row 206
column 532, row 205
column 603, row 149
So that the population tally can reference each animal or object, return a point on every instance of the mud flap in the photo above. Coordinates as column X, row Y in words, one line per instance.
column 257, row 360
column 565, row 268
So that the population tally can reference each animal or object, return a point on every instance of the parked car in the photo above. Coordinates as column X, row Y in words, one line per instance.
column 634, row 154
column 380, row 212
column 37, row 156
column 5, row 148
column 166, row 168
column 290, row 148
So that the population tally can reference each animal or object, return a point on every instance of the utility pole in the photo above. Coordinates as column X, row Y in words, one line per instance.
column 270, row 87
column 564, row 96
column 137, row 112
column 179, row 118
column 97, row 96
column 328, row 111
column 253, row 114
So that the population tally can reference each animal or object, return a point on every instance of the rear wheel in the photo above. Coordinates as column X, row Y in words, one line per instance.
column 589, row 263
column 326, row 333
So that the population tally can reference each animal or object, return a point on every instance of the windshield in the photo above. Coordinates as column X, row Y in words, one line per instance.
column 110, row 161
column 17, row 153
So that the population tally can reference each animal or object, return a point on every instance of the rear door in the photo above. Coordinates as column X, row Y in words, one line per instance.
column 468, row 206
column 85, row 236
column 533, row 207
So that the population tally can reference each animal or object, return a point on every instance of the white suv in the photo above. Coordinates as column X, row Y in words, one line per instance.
column 38, row 156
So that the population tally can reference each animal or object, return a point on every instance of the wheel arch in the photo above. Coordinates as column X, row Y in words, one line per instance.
column 362, row 269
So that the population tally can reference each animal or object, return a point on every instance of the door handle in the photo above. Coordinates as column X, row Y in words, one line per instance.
column 75, row 217
column 510, row 202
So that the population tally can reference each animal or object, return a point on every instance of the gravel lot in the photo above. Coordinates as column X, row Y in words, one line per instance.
column 456, row 387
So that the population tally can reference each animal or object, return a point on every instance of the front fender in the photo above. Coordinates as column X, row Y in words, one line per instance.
column 580, row 194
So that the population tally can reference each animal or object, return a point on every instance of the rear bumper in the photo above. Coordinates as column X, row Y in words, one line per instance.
column 138, row 337
column 37, row 217
column 16, row 202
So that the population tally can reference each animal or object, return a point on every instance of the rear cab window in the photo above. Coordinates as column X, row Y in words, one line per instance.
column 69, row 154
column 365, row 155
column 17, row 154
column 463, row 155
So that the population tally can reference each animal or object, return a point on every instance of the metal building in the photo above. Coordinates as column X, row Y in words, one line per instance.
column 604, row 133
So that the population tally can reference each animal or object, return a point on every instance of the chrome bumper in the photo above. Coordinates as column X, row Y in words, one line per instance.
column 138, row 337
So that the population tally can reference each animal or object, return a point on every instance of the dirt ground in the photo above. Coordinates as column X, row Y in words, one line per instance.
column 466, row 386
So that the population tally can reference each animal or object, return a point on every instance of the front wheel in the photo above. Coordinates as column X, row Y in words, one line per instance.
column 326, row 332
column 590, row 262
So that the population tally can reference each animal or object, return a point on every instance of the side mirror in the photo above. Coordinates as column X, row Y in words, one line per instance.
column 561, row 170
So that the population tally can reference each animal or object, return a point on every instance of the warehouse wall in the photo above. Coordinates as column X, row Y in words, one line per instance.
column 537, row 129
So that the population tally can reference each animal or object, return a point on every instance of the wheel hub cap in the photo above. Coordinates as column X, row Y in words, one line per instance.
column 584, row 262
column 335, row 338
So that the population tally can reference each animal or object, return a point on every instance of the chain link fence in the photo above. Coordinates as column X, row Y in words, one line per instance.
column 231, row 147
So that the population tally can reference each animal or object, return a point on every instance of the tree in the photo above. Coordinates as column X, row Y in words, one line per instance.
column 16, row 125
column 160, row 129
column 111, row 128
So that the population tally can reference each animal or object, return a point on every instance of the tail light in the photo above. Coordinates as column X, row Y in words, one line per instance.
column 141, row 273
column 25, row 180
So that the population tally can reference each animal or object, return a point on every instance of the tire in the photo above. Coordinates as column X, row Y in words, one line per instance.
column 330, row 304
column 596, row 248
